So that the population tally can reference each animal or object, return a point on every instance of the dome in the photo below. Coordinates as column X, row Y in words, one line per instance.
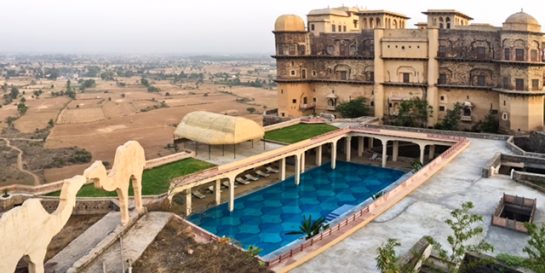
column 522, row 21
column 289, row 22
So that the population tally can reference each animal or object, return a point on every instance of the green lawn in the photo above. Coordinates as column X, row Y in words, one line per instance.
column 298, row 132
column 154, row 181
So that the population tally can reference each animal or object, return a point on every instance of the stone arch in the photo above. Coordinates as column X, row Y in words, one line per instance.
column 394, row 24
column 476, row 77
column 369, row 72
column 405, row 69
column 377, row 20
column 342, row 72
column 447, row 72
column 480, row 49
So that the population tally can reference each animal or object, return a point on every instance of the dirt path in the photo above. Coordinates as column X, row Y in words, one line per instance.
column 20, row 166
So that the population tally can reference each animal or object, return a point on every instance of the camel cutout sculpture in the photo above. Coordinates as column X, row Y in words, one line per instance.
column 128, row 166
column 27, row 230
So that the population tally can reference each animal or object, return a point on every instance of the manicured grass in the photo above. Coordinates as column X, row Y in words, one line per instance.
column 298, row 132
column 154, row 181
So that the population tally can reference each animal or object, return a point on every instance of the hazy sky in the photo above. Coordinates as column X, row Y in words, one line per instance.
column 191, row 26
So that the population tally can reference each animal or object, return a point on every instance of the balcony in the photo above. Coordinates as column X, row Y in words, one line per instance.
column 306, row 106
column 465, row 118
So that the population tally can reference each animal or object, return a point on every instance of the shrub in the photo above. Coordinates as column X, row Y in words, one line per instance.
column 354, row 108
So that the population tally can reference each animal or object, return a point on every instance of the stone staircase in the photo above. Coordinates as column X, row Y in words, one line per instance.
column 100, row 250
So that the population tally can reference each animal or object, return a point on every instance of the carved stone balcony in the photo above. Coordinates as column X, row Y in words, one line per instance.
column 306, row 106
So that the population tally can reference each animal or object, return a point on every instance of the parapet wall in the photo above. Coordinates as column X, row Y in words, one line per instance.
column 442, row 132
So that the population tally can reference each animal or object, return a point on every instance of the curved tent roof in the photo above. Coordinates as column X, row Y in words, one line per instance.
column 216, row 129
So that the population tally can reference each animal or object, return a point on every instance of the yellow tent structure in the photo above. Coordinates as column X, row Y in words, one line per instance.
column 217, row 129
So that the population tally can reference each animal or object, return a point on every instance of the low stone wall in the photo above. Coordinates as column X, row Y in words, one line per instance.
column 442, row 132
column 282, row 124
column 533, row 180
column 83, row 207
column 17, row 189
column 412, row 261
column 156, row 162
column 513, row 147
column 492, row 166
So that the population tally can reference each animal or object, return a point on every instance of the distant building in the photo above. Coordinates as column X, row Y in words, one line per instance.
column 344, row 53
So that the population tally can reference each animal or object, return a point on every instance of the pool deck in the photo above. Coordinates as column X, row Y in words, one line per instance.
column 424, row 211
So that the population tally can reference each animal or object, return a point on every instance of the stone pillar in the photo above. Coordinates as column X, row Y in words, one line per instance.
column 303, row 162
column 432, row 96
column 379, row 75
column 422, row 150
column 431, row 154
column 297, row 169
column 319, row 155
column 384, row 154
column 333, row 155
column 217, row 191
column 283, row 168
column 348, row 148
column 231, row 194
column 360, row 146
column 395, row 151
column 188, row 202
column 370, row 142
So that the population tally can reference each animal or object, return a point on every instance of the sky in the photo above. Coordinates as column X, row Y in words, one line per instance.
column 220, row 27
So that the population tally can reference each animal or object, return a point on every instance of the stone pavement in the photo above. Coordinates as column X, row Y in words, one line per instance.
column 425, row 210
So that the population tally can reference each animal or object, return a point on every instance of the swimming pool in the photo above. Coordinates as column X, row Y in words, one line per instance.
column 263, row 218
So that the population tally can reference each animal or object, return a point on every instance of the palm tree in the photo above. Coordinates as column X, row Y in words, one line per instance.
column 310, row 228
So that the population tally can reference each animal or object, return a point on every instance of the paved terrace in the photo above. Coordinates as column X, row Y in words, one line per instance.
column 423, row 213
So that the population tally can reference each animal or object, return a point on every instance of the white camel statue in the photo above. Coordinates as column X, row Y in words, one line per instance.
column 26, row 231
column 128, row 166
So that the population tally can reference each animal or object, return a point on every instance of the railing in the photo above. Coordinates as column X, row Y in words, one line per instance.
column 465, row 118
column 395, row 193
column 362, row 213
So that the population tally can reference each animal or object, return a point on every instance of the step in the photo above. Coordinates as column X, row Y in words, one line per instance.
column 84, row 243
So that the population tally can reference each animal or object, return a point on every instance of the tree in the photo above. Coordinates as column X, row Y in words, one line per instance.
column 412, row 113
column 253, row 250
column 452, row 118
column 144, row 82
column 50, row 123
column 10, row 120
column 14, row 93
column 386, row 258
column 310, row 228
column 463, row 226
column 250, row 110
column 22, row 108
column 490, row 123
column 536, row 248
column 354, row 108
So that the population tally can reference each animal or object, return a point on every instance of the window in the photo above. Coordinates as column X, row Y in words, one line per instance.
column 372, row 103
column 294, row 101
column 480, row 52
column 442, row 78
column 312, row 27
column 406, row 77
column 519, row 84
column 504, row 103
column 519, row 54
column 535, row 85
column 292, row 72
column 305, row 101
column 533, row 55
column 304, row 73
column 283, row 114
column 332, row 28
column 281, row 91
column 442, row 98
column 506, row 83
column 507, row 54
column 355, row 23
column 504, row 116
column 344, row 28
column 314, row 73
column 481, row 80
column 441, row 108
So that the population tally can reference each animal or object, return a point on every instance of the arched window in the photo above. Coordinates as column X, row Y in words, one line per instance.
column 395, row 23
column 377, row 20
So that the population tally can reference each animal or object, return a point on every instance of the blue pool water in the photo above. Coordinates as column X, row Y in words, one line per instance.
column 263, row 218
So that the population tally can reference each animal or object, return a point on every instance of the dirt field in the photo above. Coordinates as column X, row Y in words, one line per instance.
column 169, row 252
column 107, row 115
column 138, row 115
